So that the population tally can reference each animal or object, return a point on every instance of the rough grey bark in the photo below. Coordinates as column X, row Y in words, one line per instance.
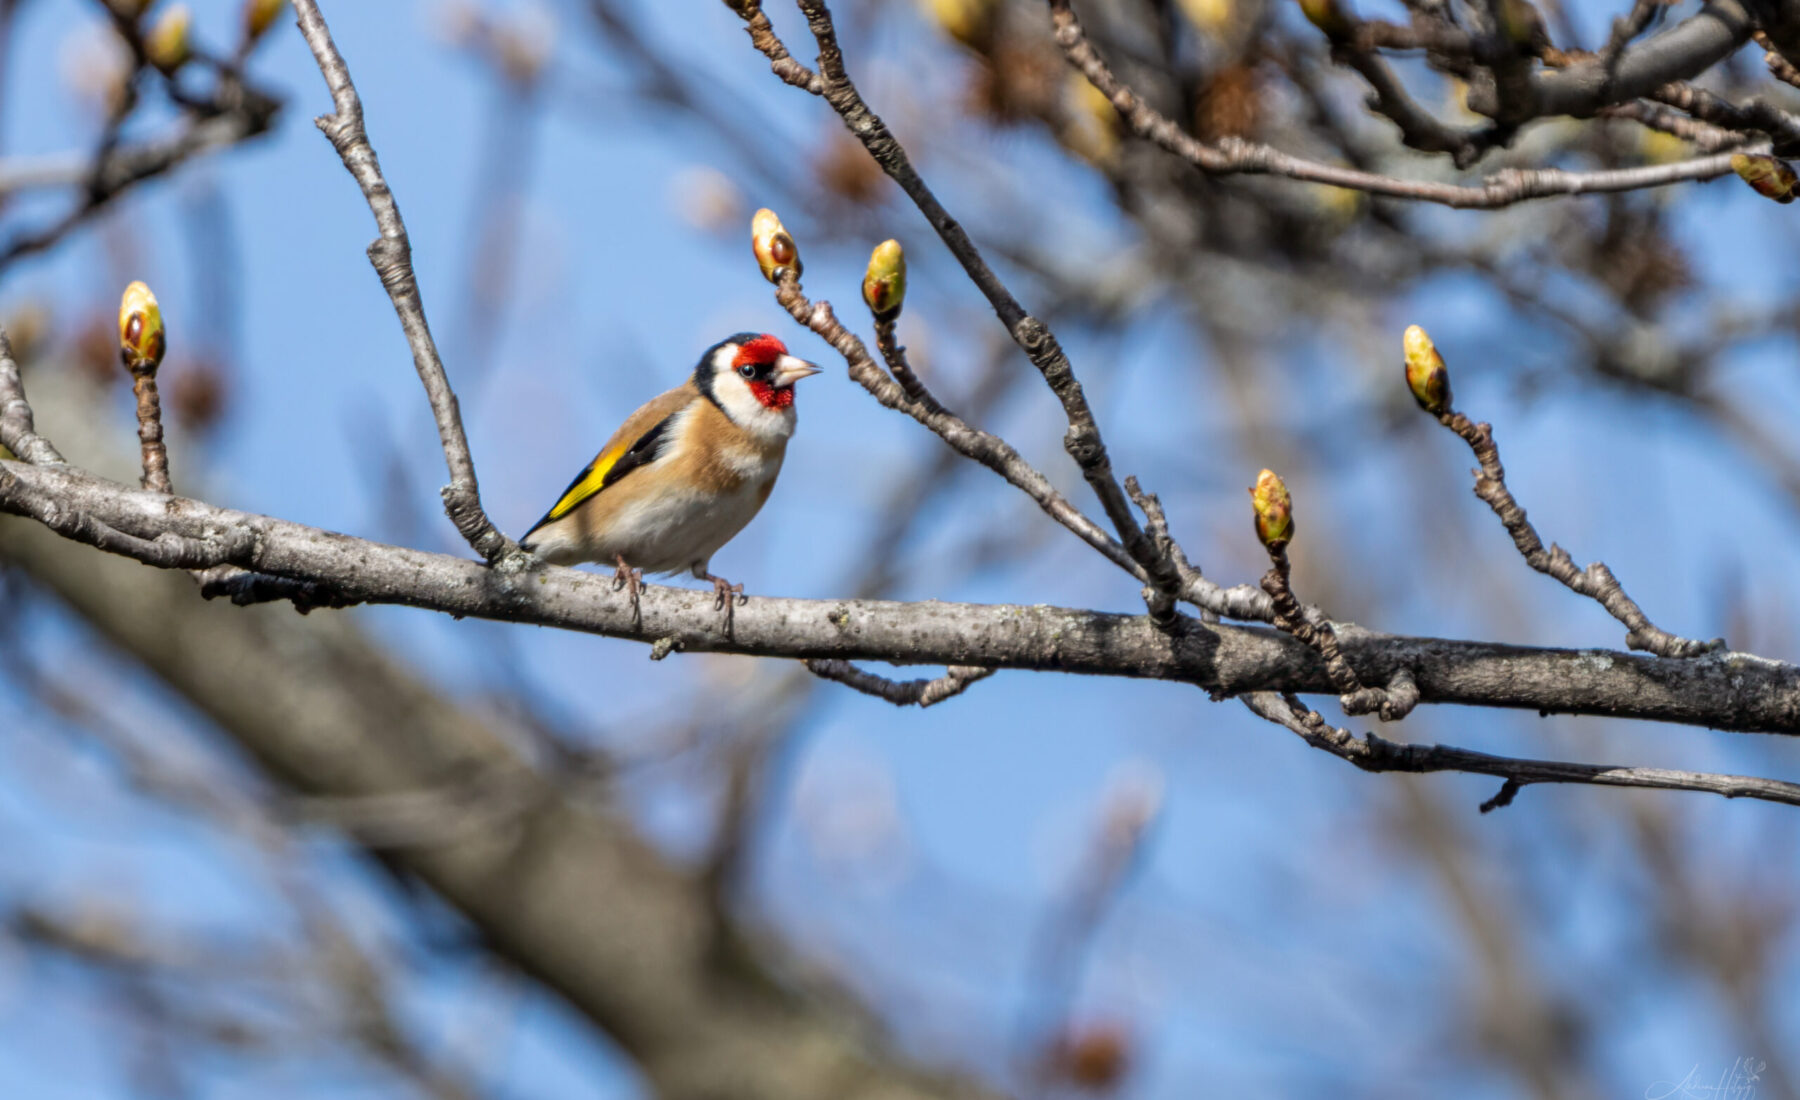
column 1726, row 691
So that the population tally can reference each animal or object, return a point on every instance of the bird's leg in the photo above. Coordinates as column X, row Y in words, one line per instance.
column 633, row 580
column 723, row 591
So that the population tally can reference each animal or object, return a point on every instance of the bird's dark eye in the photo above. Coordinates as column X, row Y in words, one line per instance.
column 748, row 370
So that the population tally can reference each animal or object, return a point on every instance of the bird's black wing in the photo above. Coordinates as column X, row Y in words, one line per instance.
column 608, row 467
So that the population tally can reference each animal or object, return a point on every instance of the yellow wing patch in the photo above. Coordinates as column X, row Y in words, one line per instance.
column 591, row 481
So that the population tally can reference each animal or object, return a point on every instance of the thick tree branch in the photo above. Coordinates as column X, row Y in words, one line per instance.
column 1726, row 691
column 1685, row 50
column 391, row 254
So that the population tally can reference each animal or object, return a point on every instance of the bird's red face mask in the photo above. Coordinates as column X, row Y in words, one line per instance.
column 766, row 367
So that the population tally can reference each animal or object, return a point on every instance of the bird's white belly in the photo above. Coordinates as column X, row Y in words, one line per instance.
column 673, row 532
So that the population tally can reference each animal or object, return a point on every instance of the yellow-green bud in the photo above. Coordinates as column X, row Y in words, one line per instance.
column 1772, row 177
column 884, row 287
column 1274, row 510
column 1519, row 21
column 775, row 251
column 259, row 16
column 141, row 336
column 1328, row 16
column 1426, row 375
column 167, row 46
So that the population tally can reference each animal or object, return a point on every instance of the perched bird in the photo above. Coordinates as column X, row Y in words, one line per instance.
column 684, row 474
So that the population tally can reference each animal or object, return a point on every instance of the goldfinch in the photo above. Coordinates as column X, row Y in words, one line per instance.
column 685, row 473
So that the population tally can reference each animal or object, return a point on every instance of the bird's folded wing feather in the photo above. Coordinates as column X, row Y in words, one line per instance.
column 637, row 443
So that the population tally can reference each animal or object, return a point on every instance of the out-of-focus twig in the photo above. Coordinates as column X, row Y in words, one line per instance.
column 1234, row 155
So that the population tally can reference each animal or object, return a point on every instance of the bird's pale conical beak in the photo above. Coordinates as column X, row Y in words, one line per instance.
column 789, row 370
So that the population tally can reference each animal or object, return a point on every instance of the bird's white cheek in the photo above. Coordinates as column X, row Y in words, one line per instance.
column 769, row 425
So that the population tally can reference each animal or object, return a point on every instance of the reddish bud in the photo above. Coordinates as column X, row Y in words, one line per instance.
column 775, row 251
column 141, row 335
column 1772, row 177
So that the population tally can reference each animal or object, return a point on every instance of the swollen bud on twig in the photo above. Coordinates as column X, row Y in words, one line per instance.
column 1520, row 22
column 1274, row 510
column 884, row 287
column 141, row 337
column 1426, row 375
column 167, row 46
column 1327, row 15
column 259, row 16
column 1771, row 176
column 775, row 251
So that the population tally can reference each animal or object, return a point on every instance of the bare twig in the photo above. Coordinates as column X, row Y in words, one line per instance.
column 901, row 693
column 1376, row 754
column 150, row 428
column 1082, row 441
column 1393, row 702
column 123, row 166
column 1233, row 156
column 1656, row 116
column 1753, row 115
column 895, row 357
column 391, row 255
column 1419, row 128
column 1779, row 67
column 1595, row 582
column 989, row 450
column 18, row 431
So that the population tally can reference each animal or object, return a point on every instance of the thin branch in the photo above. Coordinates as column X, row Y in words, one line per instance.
column 18, row 430
column 1376, row 754
column 155, row 454
column 1779, row 67
column 1419, row 128
column 1393, row 702
column 121, row 167
column 1595, row 582
column 244, row 588
column 391, row 255
column 902, row 693
column 895, row 357
column 1683, row 51
column 1754, row 115
column 1234, row 156
column 988, row 449
column 1705, row 135
column 1082, row 440
column 1724, row 691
